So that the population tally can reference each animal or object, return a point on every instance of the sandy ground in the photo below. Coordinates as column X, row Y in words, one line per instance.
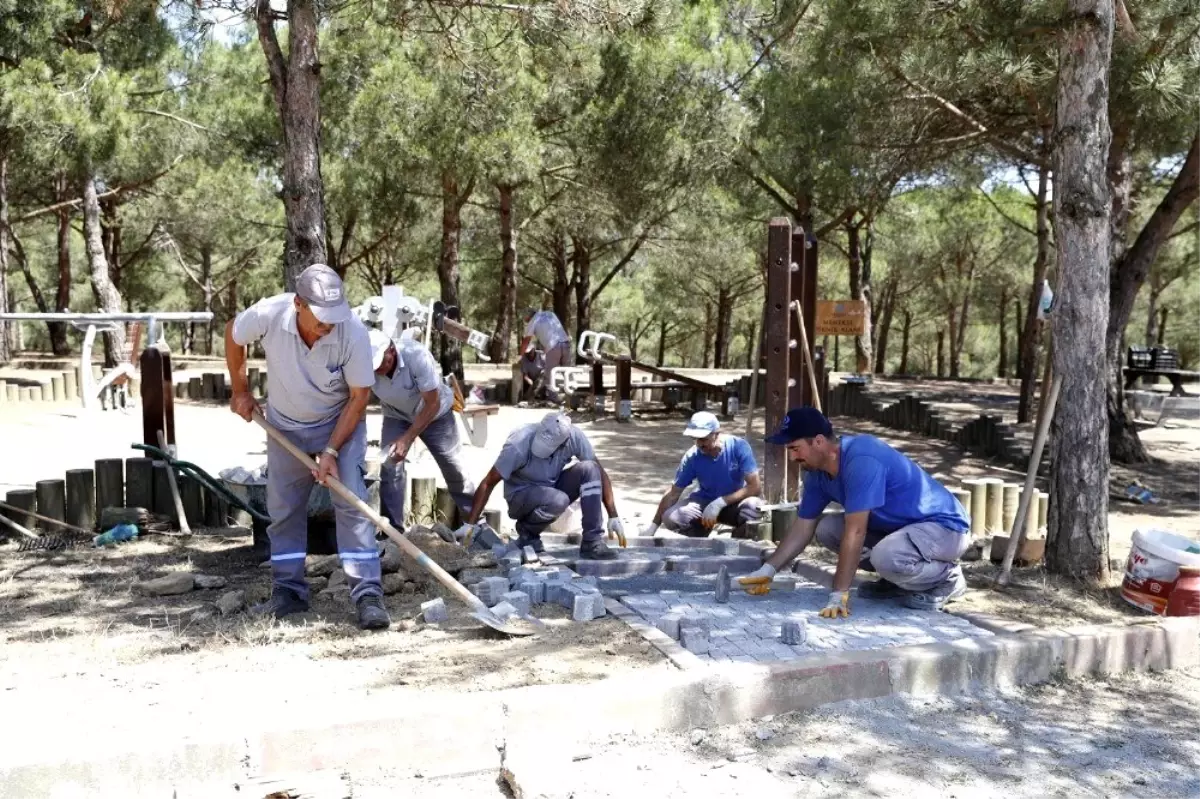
column 1133, row 735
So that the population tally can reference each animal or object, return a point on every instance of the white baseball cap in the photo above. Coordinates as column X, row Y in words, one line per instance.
column 552, row 432
column 322, row 289
column 379, row 346
column 702, row 425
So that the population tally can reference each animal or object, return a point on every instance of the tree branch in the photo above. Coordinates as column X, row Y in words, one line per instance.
column 1005, row 216
column 264, row 19
column 122, row 189
column 188, row 122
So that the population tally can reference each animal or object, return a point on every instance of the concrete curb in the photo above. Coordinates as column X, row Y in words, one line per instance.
column 442, row 734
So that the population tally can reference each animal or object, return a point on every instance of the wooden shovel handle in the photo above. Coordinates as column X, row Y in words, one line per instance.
column 383, row 524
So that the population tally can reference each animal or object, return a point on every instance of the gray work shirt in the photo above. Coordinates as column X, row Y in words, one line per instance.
column 545, row 327
column 520, row 469
column 306, row 387
column 533, row 368
column 416, row 371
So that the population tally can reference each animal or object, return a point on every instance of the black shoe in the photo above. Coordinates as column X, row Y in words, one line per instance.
column 881, row 589
column 536, row 543
column 596, row 550
column 372, row 615
column 283, row 602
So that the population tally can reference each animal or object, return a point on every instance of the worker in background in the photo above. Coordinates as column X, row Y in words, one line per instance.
column 319, row 380
column 553, row 340
column 545, row 467
column 898, row 520
column 416, row 403
column 728, row 486
column 533, row 368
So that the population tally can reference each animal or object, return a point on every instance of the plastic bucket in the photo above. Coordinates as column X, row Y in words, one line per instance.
column 1153, row 567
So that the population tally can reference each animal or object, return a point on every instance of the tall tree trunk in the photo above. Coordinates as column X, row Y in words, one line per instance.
column 581, row 271
column 1077, row 543
column 941, row 353
column 62, row 298
column 1031, row 331
column 1152, row 312
column 296, row 83
column 7, row 329
column 559, row 262
column 722, row 332
column 1002, row 366
column 904, row 333
column 860, row 289
column 958, row 335
column 206, row 277
column 107, row 297
column 508, row 277
column 888, row 310
column 662, row 342
column 1125, row 280
column 453, row 199
column 750, row 345
column 1162, row 326
column 708, row 334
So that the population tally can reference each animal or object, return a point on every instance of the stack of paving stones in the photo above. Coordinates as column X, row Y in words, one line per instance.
column 523, row 585
column 785, row 624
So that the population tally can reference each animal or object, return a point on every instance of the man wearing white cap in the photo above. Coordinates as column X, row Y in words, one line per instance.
column 728, row 487
column 319, row 380
column 416, row 403
column 545, row 467
column 555, row 343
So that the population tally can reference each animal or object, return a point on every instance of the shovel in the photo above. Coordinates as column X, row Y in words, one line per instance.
column 513, row 626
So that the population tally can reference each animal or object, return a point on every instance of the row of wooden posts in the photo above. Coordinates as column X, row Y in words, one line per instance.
column 62, row 387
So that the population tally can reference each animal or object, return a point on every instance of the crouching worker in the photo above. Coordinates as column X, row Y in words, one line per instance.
column 416, row 404
column 545, row 467
column 898, row 520
column 318, row 382
column 728, row 487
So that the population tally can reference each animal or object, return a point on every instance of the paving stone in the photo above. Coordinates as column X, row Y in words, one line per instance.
column 726, row 546
column 710, row 565
column 519, row 600
column 505, row 610
column 529, row 555
column 535, row 590
column 583, row 608
column 434, row 611
column 792, row 633
column 669, row 624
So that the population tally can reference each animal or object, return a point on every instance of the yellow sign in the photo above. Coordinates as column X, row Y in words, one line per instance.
column 841, row 317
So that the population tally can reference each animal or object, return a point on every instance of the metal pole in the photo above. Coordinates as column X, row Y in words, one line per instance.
column 808, row 360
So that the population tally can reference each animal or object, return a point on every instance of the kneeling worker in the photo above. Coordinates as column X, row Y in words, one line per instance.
column 898, row 520
column 541, row 482
column 728, row 485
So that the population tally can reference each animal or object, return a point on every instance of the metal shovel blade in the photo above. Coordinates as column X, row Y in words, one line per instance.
column 516, row 626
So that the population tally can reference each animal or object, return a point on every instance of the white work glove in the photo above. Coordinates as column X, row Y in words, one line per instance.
column 466, row 533
column 711, row 511
column 838, row 605
column 758, row 581
column 649, row 529
column 616, row 528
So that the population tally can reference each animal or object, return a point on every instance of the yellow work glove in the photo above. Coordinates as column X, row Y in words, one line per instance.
column 466, row 533
column 838, row 606
column 758, row 582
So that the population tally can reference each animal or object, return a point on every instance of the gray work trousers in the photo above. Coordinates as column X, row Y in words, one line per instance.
column 685, row 517
column 289, row 484
column 555, row 356
column 445, row 445
column 536, row 507
column 916, row 558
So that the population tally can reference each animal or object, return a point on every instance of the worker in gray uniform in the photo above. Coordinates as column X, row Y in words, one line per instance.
column 319, row 380
column 533, row 367
column 553, row 340
column 545, row 467
column 416, row 403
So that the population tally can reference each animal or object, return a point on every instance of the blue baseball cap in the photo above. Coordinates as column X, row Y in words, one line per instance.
column 801, row 423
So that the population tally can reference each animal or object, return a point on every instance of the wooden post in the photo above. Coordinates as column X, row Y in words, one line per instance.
column 168, row 403
column 71, row 384
column 776, row 339
column 1011, row 498
column 192, row 495
column 978, row 506
column 964, row 498
column 26, row 500
column 216, row 510
column 56, row 388
column 781, row 522
column 208, row 386
column 423, row 500
column 445, row 511
column 153, row 401
column 598, row 390
column 139, row 483
column 164, row 503
column 803, row 287
column 110, row 483
column 993, row 521
column 51, row 501
column 195, row 389
column 81, row 498
column 12, row 393
column 252, row 379
column 624, row 389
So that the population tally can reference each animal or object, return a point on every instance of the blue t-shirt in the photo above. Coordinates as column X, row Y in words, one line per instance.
column 873, row 476
column 717, row 476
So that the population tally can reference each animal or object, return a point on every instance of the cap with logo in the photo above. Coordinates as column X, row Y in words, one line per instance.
column 552, row 432
column 379, row 346
column 322, row 289
column 702, row 425
column 801, row 423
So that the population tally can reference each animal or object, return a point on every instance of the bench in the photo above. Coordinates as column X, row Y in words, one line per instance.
column 475, row 420
column 1176, row 376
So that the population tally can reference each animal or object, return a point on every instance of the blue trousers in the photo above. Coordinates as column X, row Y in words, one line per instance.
column 536, row 507
column 445, row 445
column 289, row 484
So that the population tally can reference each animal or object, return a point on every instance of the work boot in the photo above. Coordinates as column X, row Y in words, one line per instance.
column 596, row 549
column 936, row 598
column 283, row 602
column 535, row 542
column 372, row 615
column 881, row 589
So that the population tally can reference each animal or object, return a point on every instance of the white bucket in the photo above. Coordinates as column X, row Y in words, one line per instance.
column 1153, row 567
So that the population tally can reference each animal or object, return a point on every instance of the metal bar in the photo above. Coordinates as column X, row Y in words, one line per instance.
column 165, row 316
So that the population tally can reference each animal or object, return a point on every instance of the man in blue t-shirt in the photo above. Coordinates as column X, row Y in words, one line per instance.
column 898, row 520
column 727, row 475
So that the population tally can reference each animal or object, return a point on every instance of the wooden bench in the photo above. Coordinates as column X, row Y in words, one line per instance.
column 475, row 420
column 1176, row 377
